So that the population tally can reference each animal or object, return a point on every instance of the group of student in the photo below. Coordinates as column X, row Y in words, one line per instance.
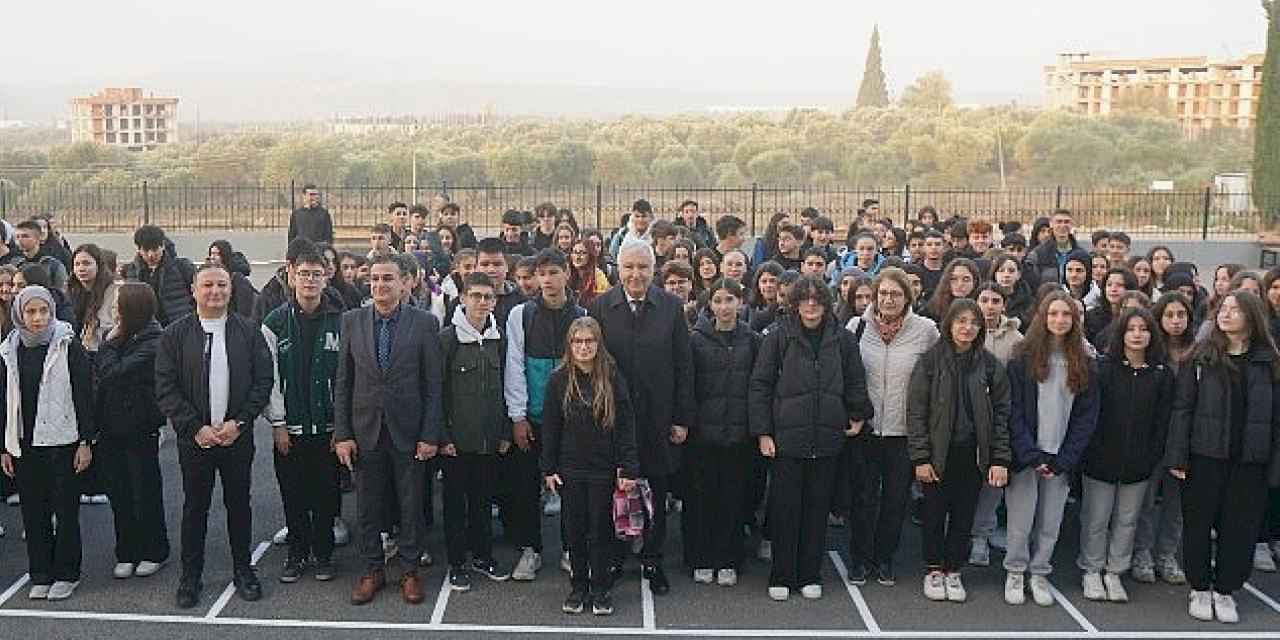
column 923, row 370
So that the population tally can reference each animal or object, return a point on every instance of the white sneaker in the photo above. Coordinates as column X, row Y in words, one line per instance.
column 552, row 505
column 779, row 594
column 934, row 589
column 566, row 564
column 147, row 568
column 1262, row 560
column 1275, row 549
column 61, row 590
column 765, row 552
column 980, row 553
column 955, row 588
column 425, row 560
column 2, row 531
column 281, row 537
column 123, row 570
column 1015, row 588
column 13, row 500
column 1224, row 608
column 703, row 576
column 39, row 592
column 1170, row 571
column 1094, row 590
column 1040, row 591
column 85, row 499
column 1115, row 588
column 528, row 565
column 1200, row 605
column 99, row 498
column 727, row 577
column 341, row 535
column 811, row 591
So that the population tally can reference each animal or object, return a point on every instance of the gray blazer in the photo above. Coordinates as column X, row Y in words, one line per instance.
column 407, row 397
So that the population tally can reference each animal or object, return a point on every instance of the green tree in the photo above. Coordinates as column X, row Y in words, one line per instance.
column 1266, row 146
column 930, row 91
column 569, row 163
column 775, row 167
column 874, row 92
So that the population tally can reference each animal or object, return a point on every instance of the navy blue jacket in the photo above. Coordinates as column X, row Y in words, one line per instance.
column 1024, row 421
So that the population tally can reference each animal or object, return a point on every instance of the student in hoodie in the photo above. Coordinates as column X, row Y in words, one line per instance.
column 787, row 250
column 891, row 338
column 864, row 253
column 536, row 334
column 724, row 351
column 491, row 261
column 1224, row 444
column 959, row 281
column 1136, row 389
column 1002, row 338
column 1054, row 413
column 34, row 273
column 1076, row 280
column 48, row 428
column 544, row 234
column 637, row 227
column 169, row 276
column 243, row 295
column 303, row 337
column 515, row 241
column 477, row 431
column 699, row 231
column 1183, row 282
column 808, row 393
column 1006, row 271
column 129, row 449
column 958, row 433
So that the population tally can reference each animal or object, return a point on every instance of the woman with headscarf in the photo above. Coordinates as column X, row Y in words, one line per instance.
column 48, row 430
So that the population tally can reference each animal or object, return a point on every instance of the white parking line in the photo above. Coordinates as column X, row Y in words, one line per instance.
column 14, row 588
column 646, row 604
column 1257, row 593
column 1072, row 610
column 855, row 593
column 225, row 597
column 442, row 601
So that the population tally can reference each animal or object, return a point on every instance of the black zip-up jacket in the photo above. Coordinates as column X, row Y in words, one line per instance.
column 182, row 375
column 126, row 391
column 932, row 403
column 700, row 233
column 313, row 223
column 803, row 399
column 1133, row 421
column 577, row 448
column 721, row 378
column 1201, row 419
column 171, row 282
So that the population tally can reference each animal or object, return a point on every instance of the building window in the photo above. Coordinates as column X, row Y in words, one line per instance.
column 148, row 109
column 111, row 125
column 137, row 123
column 151, row 136
column 137, row 109
column 106, row 109
column 124, row 123
column 111, row 138
column 151, row 124
column 159, row 109
column 161, row 137
column 159, row 123
column 137, row 138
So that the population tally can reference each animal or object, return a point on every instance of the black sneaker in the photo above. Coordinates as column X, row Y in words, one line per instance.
column 247, row 585
column 459, row 579
column 857, row 574
column 885, row 575
column 490, row 569
column 324, row 570
column 291, row 572
column 657, row 579
column 602, row 604
column 188, row 592
column 574, row 603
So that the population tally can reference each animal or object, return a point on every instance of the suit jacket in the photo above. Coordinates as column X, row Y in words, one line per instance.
column 407, row 397
column 653, row 353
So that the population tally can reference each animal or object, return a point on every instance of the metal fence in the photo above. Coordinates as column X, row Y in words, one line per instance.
column 1189, row 214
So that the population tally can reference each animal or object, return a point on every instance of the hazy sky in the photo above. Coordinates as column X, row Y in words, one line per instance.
column 797, row 51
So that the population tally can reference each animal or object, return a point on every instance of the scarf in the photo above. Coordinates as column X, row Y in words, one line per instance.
column 889, row 328
column 26, row 295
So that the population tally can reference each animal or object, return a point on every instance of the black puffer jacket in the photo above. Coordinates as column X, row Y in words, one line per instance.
column 126, row 389
column 721, row 377
column 171, row 282
column 1201, row 419
column 1133, row 421
column 803, row 399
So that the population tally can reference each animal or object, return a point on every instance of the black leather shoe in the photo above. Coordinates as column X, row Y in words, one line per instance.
column 247, row 585
column 657, row 580
column 188, row 592
column 616, row 573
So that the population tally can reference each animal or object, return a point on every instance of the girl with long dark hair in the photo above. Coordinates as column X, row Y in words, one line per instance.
column 959, row 280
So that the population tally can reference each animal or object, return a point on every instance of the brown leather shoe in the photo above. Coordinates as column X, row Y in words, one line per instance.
column 411, row 588
column 368, row 586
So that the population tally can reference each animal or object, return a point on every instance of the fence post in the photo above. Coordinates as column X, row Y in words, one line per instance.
column 906, row 205
column 1204, row 222
column 1057, row 198
column 4, row 202
column 293, row 204
column 755, row 193
column 599, row 203
column 444, row 188
column 146, row 204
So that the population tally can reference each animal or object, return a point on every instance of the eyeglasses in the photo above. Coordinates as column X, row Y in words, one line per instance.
column 309, row 275
column 481, row 297
column 583, row 341
column 890, row 294
column 812, row 302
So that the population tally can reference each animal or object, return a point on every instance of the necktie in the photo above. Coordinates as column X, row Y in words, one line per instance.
column 384, row 343
column 635, row 308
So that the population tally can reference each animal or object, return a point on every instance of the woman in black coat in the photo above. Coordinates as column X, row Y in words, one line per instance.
column 808, row 393
column 1224, row 443
column 724, row 350
column 130, row 439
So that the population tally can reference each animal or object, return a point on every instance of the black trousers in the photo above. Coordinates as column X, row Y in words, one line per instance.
column 308, row 479
column 799, row 500
column 91, row 481
column 47, row 480
column 200, row 467
column 713, row 511
column 586, row 508
column 948, row 511
column 376, row 468
column 469, row 482
column 756, row 489
column 1229, row 497
column 524, row 491
column 881, row 474
column 1270, row 531
column 131, row 468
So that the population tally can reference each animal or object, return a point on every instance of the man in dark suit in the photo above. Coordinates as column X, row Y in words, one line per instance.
column 388, row 421
column 645, row 331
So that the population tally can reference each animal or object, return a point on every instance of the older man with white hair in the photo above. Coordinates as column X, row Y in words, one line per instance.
column 645, row 331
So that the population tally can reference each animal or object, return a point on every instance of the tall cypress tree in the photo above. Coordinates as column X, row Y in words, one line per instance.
column 1266, row 144
column 873, row 92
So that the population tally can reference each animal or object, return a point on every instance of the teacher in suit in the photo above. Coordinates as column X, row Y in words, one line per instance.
column 388, row 421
